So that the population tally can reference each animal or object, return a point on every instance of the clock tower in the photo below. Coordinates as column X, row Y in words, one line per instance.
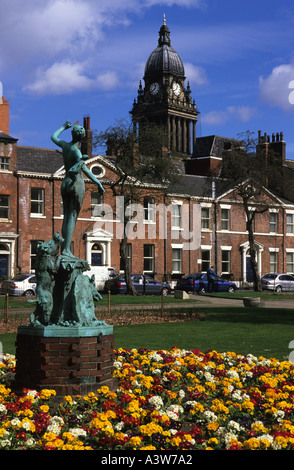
column 165, row 100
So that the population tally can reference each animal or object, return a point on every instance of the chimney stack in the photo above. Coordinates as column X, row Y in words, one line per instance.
column 4, row 112
column 87, row 142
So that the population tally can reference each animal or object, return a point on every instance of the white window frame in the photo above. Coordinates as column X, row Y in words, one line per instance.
column 273, row 225
column 226, row 249
column 225, row 220
column 177, row 257
column 5, row 207
column 40, row 202
column 149, row 258
column 176, row 222
column 290, row 225
column 96, row 207
column 290, row 251
column 273, row 265
column 207, row 220
column 149, row 209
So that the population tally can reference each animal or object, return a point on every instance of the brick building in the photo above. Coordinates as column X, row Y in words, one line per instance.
column 184, row 229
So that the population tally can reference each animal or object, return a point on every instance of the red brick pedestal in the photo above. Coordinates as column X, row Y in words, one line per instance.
column 71, row 365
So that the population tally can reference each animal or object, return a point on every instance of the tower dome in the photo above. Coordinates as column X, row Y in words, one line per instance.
column 164, row 59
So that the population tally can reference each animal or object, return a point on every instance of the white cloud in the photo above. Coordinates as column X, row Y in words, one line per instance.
column 195, row 74
column 181, row 3
column 66, row 77
column 231, row 113
column 275, row 90
column 49, row 41
column 108, row 80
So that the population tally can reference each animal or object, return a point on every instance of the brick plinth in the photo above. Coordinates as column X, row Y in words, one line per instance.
column 68, row 365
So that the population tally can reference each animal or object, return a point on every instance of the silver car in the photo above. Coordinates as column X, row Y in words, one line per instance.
column 277, row 282
column 23, row 284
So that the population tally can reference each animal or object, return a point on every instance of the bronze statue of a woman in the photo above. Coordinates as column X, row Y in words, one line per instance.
column 73, row 185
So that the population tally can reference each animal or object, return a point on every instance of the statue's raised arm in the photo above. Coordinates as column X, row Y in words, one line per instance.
column 56, row 134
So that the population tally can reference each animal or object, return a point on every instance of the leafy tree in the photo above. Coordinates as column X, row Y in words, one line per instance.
column 139, row 158
column 244, row 170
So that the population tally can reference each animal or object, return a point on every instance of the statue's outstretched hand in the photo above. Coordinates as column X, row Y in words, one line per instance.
column 67, row 125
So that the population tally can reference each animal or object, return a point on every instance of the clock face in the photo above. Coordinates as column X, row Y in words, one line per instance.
column 176, row 89
column 154, row 88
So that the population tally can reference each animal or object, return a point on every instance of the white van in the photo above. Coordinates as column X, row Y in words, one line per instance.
column 102, row 274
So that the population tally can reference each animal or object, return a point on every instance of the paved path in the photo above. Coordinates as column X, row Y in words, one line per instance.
column 226, row 301
column 204, row 301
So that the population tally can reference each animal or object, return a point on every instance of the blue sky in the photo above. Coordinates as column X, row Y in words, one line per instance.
column 63, row 59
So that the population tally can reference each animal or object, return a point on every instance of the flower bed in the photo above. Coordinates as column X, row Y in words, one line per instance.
column 177, row 400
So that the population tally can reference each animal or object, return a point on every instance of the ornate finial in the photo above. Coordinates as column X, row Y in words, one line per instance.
column 164, row 34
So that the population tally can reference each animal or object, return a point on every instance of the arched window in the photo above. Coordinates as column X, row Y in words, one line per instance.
column 96, row 255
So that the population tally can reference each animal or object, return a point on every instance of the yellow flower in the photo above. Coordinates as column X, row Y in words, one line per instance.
column 119, row 436
column 135, row 441
column 49, row 436
column 28, row 425
column 212, row 426
column 44, row 408
column 212, row 441
column 218, row 406
column 176, row 441
column 248, row 405
column 109, row 431
column 150, row 428
column 259, row 427
column 27, row 413
column 133, row 406
column 46, row 394
column 252, row 444
column 68, row 436
column 210, row 385
column 2, row 431
column 281, row 441
column 110, row 414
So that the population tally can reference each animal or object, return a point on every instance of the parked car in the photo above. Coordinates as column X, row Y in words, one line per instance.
column 143, row 283
column 277, row 282
column 23, row 284
column 198, row 283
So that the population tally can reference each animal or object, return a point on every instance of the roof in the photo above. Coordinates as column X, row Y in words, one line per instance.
column 7, row 138
column 164, row 59
column 213, row 145
column 197, row 186
column 39, row 160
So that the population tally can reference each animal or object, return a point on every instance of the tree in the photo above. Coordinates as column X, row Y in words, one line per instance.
column 139, row 159
column 243, row 169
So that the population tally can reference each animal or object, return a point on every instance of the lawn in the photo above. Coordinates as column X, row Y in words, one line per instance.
column 23, row 303
column 266, row 332
column 259, row 331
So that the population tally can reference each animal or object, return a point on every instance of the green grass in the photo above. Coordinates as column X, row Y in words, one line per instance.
column 22, row 303
column 265, row 332
column 264, row 295
column 259, row 331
